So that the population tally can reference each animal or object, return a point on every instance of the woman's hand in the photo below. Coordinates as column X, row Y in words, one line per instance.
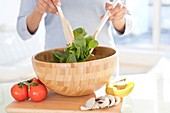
column 47, row 6
column 116, row 15
column 42, row 6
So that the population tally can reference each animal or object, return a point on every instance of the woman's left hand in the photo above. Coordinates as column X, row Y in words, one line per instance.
column 116, row 13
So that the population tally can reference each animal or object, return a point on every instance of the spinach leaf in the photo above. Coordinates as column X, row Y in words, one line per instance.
column 79, row 50
column 80, row 42
column 92, row 44
column 71, row 58
column 88, row 39
column 60, row 56
column 79, row 32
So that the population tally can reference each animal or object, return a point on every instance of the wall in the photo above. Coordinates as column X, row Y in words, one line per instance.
column 9, row 10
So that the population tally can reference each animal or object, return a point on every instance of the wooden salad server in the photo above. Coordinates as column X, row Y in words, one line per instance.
column 104, row 20
column 67, row 29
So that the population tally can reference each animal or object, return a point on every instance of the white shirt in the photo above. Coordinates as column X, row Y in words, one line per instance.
column 80, row 13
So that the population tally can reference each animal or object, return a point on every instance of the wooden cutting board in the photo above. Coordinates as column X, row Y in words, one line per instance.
column 56, row 103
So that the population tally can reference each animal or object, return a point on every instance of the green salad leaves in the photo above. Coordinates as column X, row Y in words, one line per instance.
column 79, row 50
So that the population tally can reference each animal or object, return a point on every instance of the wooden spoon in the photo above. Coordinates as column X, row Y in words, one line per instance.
column 67, row 29
column 105, row 18
column 103, row 21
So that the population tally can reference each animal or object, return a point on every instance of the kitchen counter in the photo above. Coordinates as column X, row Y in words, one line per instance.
column 150, row 94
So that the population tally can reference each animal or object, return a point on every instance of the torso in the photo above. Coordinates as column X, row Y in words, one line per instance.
column 80, row 13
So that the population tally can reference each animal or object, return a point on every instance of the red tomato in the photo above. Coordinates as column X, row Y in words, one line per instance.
column 37, row 92
column 19, row 92
column 36, row 80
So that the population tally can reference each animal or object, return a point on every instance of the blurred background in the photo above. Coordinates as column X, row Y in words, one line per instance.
column 149, row 41
column 146, row 49
column 15, row 63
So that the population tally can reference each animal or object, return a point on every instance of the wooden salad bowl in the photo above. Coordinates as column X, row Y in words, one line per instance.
column 76, row 79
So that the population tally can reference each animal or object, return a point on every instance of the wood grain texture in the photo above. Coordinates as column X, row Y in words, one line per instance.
column 76, row 79
column 58, row 104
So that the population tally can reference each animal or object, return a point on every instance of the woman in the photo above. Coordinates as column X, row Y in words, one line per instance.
column 80, row 13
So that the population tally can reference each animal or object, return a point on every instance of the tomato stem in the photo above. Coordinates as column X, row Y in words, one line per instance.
column 34, row 84
column 21, row 84
column 28, row 84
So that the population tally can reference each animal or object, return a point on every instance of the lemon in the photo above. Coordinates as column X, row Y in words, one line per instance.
column 115, row 91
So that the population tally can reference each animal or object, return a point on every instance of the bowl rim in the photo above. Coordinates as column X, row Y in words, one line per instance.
column 42, row 62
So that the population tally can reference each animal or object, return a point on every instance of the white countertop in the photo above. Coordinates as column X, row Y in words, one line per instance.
column 151, row 94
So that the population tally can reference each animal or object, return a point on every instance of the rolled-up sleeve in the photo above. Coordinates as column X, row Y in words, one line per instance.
column 26, row 7
column 22, row 28
column 129, row 24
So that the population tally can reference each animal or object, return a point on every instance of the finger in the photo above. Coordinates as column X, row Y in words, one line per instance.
column 39, row 10
column 117, row 12
column 42, row 5
column 117, row 8
column 123, row 11
column 119, row 17
column 57, row 2
column 101, row 17
column 50, row 10
column 50, row 4
column 109, row 6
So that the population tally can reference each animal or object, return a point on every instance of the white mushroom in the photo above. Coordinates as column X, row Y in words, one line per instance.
column 84, row 108
column 101, row 102
column 96, row 106
column 111, row 100
column 90, row 103
column 117, row 100
column 104, row 102
column 100, row 98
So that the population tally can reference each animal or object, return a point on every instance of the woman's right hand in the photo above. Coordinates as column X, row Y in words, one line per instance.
column 47, row 6
column 42, row 6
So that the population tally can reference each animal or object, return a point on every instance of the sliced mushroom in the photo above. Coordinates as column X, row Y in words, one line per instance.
column 104, row 102
column 117, row 100
column 96, row 106
column 111, row 100
column 84, row 108
column 100, row 98
column 90, row 103
column 101, row 102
